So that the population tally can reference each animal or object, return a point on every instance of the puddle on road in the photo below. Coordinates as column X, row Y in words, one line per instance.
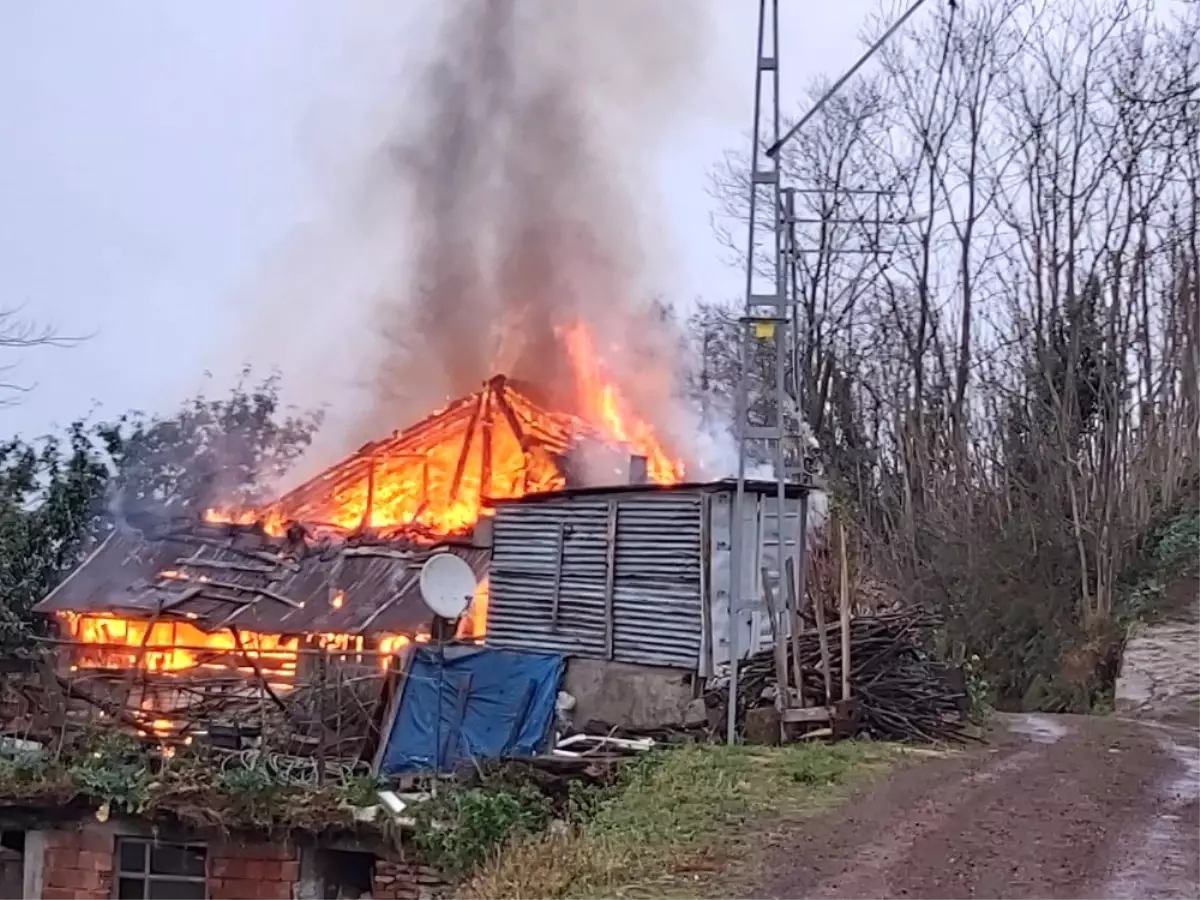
column 1163, row 863
column 1040, row 729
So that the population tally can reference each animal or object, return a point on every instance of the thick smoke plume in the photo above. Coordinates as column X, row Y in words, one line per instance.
column 526, row 175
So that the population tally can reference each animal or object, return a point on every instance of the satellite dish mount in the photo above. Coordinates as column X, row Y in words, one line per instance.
column 447, row 585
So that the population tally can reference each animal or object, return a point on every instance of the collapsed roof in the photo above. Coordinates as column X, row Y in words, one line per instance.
column 368, row 523
column 221, row 576
column 431, row 479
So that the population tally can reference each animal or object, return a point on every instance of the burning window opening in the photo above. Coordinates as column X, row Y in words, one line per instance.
column 172, row 646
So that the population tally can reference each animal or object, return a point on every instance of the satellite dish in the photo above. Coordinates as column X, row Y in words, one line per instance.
column 447, row 585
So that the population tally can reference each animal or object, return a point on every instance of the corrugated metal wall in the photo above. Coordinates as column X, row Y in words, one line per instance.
column 559, row 584
column 760, row 547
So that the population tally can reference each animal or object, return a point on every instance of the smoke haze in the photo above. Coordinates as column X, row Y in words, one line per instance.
column 525, row 184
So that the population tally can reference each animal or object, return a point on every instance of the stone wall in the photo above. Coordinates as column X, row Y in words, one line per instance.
column 629, row 695
column 406, row 881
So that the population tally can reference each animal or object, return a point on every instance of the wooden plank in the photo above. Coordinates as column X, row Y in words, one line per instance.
column 485, row 455
column 227, row 565
column 610, row 577
column 845, row 613
column 812, row 714
column 370, row 506
column 389, row 722
column 823, row 641
column 254, row 589
column 793, row 614
column 460, row 467
column 398, row 594
column 779, row 639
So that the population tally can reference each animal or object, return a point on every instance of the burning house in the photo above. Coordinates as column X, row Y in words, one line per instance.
column 179, row 629
column 290, row 633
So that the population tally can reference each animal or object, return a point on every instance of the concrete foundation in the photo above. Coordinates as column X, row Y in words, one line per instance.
column 628, row 695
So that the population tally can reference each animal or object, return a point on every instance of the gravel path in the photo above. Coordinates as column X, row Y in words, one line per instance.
column 1054, row 807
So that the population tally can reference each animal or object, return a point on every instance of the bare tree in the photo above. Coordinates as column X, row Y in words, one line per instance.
column 1006, row 380
column 20, row 333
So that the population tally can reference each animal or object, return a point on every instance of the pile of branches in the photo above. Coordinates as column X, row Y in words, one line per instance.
column 898, row 691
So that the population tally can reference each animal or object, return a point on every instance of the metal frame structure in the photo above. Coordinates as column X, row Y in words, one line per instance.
column 772, row 313
column 766, row 315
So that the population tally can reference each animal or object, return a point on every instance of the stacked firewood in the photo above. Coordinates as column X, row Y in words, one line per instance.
column 898, row 692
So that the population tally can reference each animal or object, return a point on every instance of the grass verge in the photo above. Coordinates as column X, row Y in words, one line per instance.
column 678, row 819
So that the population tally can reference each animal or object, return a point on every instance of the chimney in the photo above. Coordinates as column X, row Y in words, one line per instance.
column 637, row 470
column 481, row 535
column 569, row 464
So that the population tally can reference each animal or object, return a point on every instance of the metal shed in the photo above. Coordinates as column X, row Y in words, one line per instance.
column 635, row 574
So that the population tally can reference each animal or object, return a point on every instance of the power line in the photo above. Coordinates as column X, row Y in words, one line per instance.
column 774, row 149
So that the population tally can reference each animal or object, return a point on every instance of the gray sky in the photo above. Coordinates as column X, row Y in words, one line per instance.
column 160, row 163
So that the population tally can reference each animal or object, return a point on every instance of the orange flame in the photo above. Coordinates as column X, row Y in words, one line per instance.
column 170, row 646
column 436, row 476
column 174, row 647
column 603, row 405
column 474, row 623
column 272, row 521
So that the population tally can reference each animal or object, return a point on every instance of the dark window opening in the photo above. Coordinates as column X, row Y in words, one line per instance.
column 148, row 870
column 346, row 874
column 12, row 863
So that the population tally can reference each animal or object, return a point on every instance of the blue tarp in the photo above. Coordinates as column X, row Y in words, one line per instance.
column 482, row 703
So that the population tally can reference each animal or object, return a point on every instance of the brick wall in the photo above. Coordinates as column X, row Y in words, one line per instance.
column 78, row 865
column 406, row 881
column 252, row 871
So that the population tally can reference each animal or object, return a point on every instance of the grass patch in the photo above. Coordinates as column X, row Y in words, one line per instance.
column 677, row 819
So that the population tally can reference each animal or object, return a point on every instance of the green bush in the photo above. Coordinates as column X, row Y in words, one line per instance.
column 1178, row 541
column 112, row 768
column 458, row 829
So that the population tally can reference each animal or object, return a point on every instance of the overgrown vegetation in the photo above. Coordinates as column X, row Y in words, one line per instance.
column 116, row 774
column 459, row 828
column 674, row 816
column 1173, row 549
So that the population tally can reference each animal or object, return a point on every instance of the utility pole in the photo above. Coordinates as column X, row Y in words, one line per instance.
column 766, row 317
column 770, row 315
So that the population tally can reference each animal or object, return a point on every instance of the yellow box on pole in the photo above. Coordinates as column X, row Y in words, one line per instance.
column 764, row 331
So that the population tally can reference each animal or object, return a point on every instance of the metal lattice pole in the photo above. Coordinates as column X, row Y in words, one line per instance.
column 765, row 318
column 768, row 314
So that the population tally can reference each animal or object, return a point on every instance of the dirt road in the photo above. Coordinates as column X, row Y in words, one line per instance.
column 1054, row 807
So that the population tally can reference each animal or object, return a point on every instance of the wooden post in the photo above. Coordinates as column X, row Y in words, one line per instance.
column 322, row 673
column 370, row 507
column 464, row 453
column 845, row 612
column 485, row 457
column 780, row 642
column 610, row 577
column 793, row 612
column 823, row 641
